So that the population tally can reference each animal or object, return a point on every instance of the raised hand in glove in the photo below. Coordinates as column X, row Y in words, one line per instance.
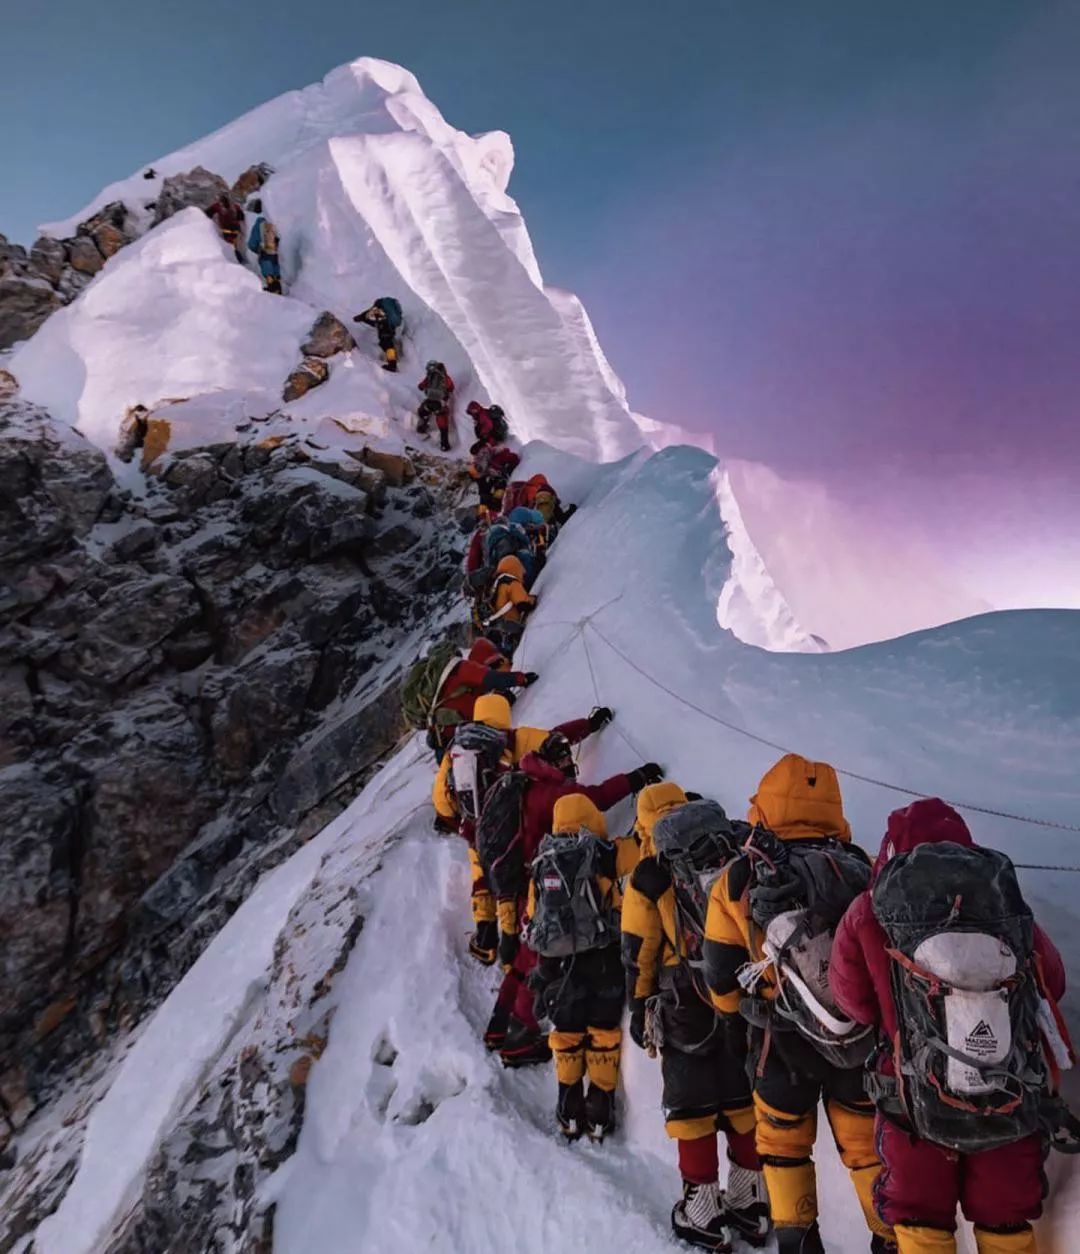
column 600, row 717
column 650, row 773
column 509, row 944
column 527, row 678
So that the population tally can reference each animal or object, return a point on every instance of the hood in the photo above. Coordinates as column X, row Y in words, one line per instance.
column 576, row 811
column 493, row 709
column 652, row 804
column 930, row 821
column 473, row 408
column 537, row 768
column 799, row 799
column 539, row 481
column 511, row 565
column 484, row 652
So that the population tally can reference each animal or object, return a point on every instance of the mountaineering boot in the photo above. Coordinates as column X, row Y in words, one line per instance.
column 524, row 1046
column 599, row 1113
column 1019, row 1240
column 746, row 1204
column 485, row 942
column 799, row 1240
column 570, row 1110
column 495, row 1032
column 699, row 1218
column 444, row 441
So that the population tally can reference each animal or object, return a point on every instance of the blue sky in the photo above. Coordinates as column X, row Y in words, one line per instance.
column 836, row 234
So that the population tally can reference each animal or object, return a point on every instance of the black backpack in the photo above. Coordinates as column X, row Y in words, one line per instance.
column 499, row 835
column 798, row 892
column 500, row 428
column 696, row 842
column 475, row 755
column 572, row 913
column 961, row 945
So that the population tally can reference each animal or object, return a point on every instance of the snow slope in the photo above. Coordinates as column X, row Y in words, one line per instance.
column 413, row 1137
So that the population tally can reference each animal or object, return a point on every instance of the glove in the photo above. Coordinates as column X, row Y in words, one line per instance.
column 693, row 796
column 637, row 1023
column 600, row 717
column 650, row 773
column 509, row 944
column 447, row 827
column 527, row 678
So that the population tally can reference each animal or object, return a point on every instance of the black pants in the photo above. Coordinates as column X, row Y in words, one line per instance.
column 585, row 991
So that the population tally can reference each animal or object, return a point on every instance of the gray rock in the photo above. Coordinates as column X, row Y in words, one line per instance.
column 53, row 482
column 83, row 255
column 328, row 335
column 322, row 523
column 47, row 258
column 37, row 849
column 9, row 385
column 309, row 374
column 25, row 303
column 13, row 259
column 197, row 187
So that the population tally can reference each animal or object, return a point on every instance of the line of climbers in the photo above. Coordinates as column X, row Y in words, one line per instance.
column 228, row 216
column 771, row 964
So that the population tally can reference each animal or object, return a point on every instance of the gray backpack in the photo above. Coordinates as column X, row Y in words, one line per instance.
column 572, row 914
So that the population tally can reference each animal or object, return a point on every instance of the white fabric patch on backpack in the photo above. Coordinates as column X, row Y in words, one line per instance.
column 976, row 1009
column 805, row 968
column 465, row 773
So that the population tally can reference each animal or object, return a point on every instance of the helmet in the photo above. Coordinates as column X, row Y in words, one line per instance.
column 698, row 834
column 559, row 752
column 434, row 365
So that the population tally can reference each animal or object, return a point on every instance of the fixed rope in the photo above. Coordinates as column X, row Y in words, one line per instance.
column 772, row 744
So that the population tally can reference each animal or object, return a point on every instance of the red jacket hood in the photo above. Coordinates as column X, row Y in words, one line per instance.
column 484, row 652
column 926, row 822
column 538, row 769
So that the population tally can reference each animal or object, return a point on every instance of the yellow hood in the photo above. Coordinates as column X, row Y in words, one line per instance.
column 576, row 811
column 653, row 803
column 493, row 709
column 798, row 799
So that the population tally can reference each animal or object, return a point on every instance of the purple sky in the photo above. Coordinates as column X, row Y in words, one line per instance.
column 888, row 281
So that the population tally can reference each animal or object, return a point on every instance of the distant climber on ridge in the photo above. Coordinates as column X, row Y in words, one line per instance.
column 263, row 242
column 386, row 317
column 438, row 390
column 489, row 425
column 228, row 216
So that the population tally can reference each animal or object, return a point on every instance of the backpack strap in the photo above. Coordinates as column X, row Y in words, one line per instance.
column 447, row 671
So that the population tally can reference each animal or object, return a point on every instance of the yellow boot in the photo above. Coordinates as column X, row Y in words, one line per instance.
column 1022, row 1242
column 912, row 1240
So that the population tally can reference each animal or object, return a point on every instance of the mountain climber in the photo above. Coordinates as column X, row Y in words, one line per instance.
column 490, row 710
column 799, row 873
column 703, row 1056
column 506, row 605
column 228, row 216
column 442, row 688
column 537, row 493
column 489, row 425
column 574, row 928
column 386, row 317
column 491, row 468
column 517, row 816
column 263, row 242
column 438, row 389
column 1000, row 1189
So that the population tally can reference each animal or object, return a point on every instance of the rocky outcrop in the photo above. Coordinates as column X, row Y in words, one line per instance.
column 56, row 271
column 328, row 336
column 197, row 187
column 191, row 683
column 309, row 374
column 250, row 181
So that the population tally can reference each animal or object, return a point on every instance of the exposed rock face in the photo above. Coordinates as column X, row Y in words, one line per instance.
column 56, row 271
column 309, row 374
column 250, row 181
column 190, row 685
column 328, row 336
column 9, row 385
column 25, row 303
column 197, row 187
